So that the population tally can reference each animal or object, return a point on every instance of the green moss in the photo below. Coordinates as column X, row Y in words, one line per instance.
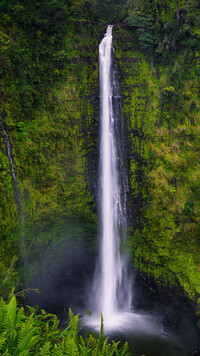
column 164, row 169
column 49, row 94
column 48, row 142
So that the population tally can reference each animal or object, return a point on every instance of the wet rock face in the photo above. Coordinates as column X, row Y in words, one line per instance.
column 195, row 353
column 198, row 324
column 171, row 318
column 198, row 308
column 176, row 312
column 64, row 282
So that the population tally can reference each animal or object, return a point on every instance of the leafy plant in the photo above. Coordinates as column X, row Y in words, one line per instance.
column 40, row 334
column 144, row 27
column 8, row 278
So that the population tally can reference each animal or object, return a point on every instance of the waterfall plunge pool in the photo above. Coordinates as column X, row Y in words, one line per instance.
column 143, row 332
column 67, row 284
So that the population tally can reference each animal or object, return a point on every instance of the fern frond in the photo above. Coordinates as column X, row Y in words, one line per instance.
column 124, row 350
column 114, row 348
column 70, row 316
column 69, row 347
column 83, row 351
column 12, row 310
column 101, row 336
column 57, row 351
column 104, row 347
column 20, row 315
column 26, row 327
column 28, row 341
column 55, row 322
column 4, row 324
column 92, row 341
column 45, row 349
column 82, row 341
column 3, row 339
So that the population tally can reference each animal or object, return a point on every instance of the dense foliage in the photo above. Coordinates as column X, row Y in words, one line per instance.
column 9, row 278
column 164, row 126
column 40, row 334
column 165, row 28
column 40, row 111
column 49, row 110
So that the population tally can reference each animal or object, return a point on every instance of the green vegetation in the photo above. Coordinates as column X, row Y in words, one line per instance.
column 162, row 110
column 28, row 333
column 8, row 278
column 42, row 83
column 49, row 108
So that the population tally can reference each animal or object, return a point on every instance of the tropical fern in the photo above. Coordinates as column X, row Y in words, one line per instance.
column 3, row 316
column 101, row 337
column 45, row 349
column 26, row 335
column 69, row 347
column 93, row 342
column 3, row 339
column 124, row 350
column 114, row 349
column 83, row 351
column 57, row 351
column 86, row 346
column 39, row 334
column 105, row 347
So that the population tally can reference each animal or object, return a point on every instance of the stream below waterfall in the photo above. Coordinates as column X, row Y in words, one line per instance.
column 150, row 344
column 158, row 332
column 147, row 332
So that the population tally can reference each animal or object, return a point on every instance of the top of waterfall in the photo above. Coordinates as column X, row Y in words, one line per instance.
column 109, row 30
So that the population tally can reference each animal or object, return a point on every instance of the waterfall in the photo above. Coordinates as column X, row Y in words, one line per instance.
column 16, row 188
column 17, row 193
column 111, row 293
column 112, row 287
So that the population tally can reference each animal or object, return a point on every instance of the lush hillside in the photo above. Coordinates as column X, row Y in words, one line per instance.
column 49, row 101
column 46, row 84
column 165, row 125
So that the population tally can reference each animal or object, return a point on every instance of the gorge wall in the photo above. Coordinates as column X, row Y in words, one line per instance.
column 50, row 110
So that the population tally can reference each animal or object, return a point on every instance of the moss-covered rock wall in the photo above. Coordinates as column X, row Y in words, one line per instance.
column 54, row 149
column 50, row 110
column 163, row 155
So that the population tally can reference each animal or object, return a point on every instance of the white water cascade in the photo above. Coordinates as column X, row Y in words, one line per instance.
column 112, row 265
column 17, row 194
column 112, row 289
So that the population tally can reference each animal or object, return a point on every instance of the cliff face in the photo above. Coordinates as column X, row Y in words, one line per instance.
column 161, row 109
column 50, row 111
column 52, row 126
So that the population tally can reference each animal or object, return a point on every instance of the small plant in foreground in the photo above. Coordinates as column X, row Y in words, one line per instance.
column 40, row 334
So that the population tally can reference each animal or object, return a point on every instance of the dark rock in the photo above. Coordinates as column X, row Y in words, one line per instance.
column 196, row 353
column 171, row 318
column 178, row 348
